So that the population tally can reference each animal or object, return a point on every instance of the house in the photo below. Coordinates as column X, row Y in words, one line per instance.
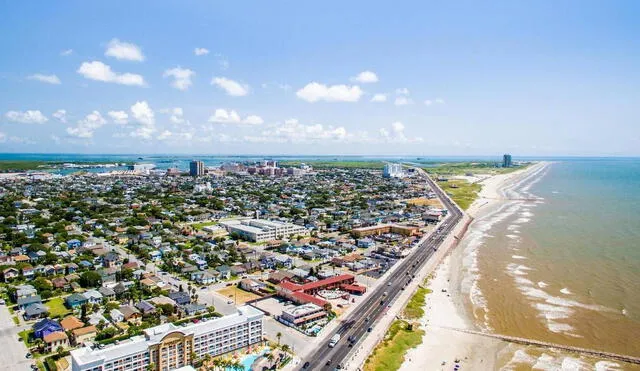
column 107, row 293
column 72, row 268
column 366, row 243
column 203, row 278
column 9, row 274
column 35, row 311
column 131, row 314
column 55, row 340
column 225, row 272
column 146, row 307
column 45, row 327
column 251, row 285
column 120, row 289
column 180, row 297
column 283, row 261
column 111, row 260
column 238, row 270
column 84, row 334
column 24, row 291
column 193, row 309
column 108, row 275
column 60, row 283
column 26, row 301
column 96, row 318
column 75, row 300
column 73, row 244
column 70, row 323
column 28, row 272
column 93, row 297
column 116, row 315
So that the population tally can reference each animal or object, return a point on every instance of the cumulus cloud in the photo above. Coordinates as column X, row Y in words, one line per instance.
column 26, row 117
column 85, row 127
column 119, row 117
column 402, row 101
column 142, row 113
column 222, row 116
column 124, row 51
column 314, row 92
column 379, row 98
column 177, row 116
column 99, row 71
column 365, row 77
column 396, row 134
column 49, row 79
column 200, row 51
column 402, row 91
column 60, row 115
column 166, row 135
column 231, row 87
column 66, row 53
column 295, row 132
column 181, row 77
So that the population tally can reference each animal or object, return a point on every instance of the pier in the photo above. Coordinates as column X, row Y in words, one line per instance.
column 544, row 344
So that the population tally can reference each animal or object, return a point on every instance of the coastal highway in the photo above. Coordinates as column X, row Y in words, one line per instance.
column 357, row 324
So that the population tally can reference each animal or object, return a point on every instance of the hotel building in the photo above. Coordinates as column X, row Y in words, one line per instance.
column 169, row 347
column 258, row 230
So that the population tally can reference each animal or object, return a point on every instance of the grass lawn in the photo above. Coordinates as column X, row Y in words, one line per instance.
column 414, row 308
column 389, row 354
column 241, row 296
column 57, row 308
column 199, row 226
column 462, row 192
column 24, row 335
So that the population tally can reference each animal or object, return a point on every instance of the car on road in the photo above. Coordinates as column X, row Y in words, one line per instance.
column 328, row 362
column 370, row 329
column 306, row 365
column 28, row 355
column 334, row 340
column 229, row 301
column 2, row 302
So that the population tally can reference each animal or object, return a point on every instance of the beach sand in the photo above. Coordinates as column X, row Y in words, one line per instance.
column 445, row 311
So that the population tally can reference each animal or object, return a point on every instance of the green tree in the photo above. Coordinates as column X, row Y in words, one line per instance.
column 90, row 279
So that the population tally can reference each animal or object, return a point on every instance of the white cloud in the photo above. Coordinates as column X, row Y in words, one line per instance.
column 200, row 51
column 396, row 134
column 124, row 51
column 365, row 77
column 101, row 72
column 314, row 92
column 402, row 101
column 49, row 79
column 402, row 91
column 66, row 53
column 223, row 63
column 379, row 98
column 177, row 116
column 119, row 117
column 295, row 132
column 232, row 87
column 60, row 115
column 181, row 77
column 26, row 117
column 85, row 127
column 222, row 116
column 166, row 134
column 142, row 113
column 428, row 102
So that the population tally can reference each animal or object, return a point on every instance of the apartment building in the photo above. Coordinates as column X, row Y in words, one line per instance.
column 302, row 314
column 168, row 347
column 258, row 230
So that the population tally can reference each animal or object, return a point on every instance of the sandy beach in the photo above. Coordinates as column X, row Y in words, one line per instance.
column 443, row 347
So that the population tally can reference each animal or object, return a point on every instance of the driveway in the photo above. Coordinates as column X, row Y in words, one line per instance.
column 12, row 351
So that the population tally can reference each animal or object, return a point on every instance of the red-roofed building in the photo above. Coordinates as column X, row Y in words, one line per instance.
column 303, row 294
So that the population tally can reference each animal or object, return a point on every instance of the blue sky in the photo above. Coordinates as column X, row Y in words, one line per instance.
column 330, row 77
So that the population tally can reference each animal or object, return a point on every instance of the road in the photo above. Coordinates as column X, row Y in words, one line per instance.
column 13, row 351
column 356, row 325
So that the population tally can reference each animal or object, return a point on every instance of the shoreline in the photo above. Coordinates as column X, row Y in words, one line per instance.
column 441, row 346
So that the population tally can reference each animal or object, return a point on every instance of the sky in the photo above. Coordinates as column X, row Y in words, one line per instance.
column 537, row 78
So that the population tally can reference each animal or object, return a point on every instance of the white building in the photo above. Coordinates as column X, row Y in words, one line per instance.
column 393, row 171
column 302, row 314
column 169, row 347
column 258, row 230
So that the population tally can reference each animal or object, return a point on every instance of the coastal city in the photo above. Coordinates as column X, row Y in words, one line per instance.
column 240, row 265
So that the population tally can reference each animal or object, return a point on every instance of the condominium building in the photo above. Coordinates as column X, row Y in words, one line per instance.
column 393, row 171
column 506, row 160
column 258, row 230
column 196, row 168
column 169, row 347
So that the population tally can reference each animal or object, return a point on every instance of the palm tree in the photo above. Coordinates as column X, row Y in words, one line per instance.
column 39, row 344
column 279, row 335
column 285, row 348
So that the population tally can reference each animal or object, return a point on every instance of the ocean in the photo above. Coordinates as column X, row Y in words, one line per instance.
column 558, row 260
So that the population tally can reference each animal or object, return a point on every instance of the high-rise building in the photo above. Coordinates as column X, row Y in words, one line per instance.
column 393, row 171
column 506, row 160
column 196, row 168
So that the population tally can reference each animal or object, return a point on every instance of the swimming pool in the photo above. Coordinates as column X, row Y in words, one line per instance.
column 248, row 360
